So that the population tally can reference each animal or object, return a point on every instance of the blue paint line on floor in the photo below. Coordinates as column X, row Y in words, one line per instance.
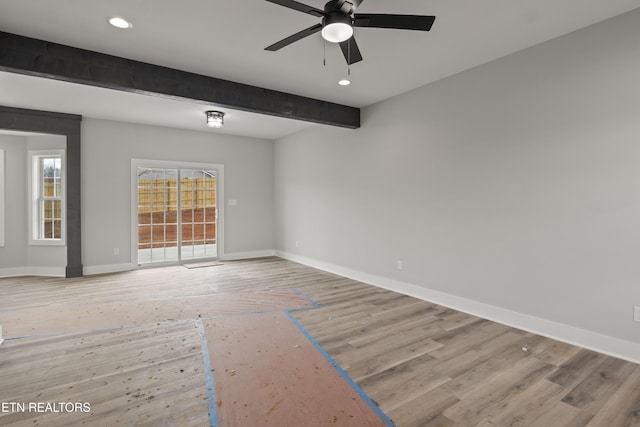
column 342, row 373
column 303, row 295
column 208, row 376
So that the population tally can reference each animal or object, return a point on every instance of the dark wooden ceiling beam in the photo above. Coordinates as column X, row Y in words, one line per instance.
column 33, row 57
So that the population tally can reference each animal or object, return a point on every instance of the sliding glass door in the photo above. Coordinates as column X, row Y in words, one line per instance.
column 177, row 214
column 198, row 215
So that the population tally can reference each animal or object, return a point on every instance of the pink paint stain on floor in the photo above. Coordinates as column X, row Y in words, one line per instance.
column 266, row 372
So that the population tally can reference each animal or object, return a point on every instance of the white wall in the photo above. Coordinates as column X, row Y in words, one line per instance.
column 512, row 187
column 107, row 150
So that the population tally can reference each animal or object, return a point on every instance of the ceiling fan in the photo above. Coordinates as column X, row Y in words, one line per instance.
column 338, row 20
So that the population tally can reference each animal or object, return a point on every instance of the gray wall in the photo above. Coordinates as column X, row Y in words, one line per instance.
column 515, row 184
column 107, row 150
column 14, row 252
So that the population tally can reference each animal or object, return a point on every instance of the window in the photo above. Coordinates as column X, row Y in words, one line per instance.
column 47, row 198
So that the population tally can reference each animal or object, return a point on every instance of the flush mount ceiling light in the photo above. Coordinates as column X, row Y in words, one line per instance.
column 215, row 119
column 336, row 27
column 344, row 82
column 119, row 22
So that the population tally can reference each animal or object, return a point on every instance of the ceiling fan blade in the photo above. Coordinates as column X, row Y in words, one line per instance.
column 294, row 38
column 299, row 7
column 351, row 51
column 399, row 22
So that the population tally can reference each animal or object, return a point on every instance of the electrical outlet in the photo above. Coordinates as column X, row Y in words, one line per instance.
column 297, row 244
column 636, row 313
column 400, row 265
column 116, row 251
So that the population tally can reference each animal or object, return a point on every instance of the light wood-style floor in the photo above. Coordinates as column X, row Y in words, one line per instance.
column 423, row 364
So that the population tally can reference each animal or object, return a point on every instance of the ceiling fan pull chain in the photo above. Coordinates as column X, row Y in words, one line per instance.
column 348, row 57
column 324, row 52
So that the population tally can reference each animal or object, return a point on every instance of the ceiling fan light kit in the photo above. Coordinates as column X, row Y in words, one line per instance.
column 336, row 27
column 339, row 19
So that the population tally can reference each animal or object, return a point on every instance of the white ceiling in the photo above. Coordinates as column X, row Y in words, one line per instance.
column 226, row 39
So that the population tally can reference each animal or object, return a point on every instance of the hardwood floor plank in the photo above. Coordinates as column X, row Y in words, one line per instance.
column 465, row 337
column 527, row 407
column 399, row 384
column 365, row 362
column 424, row 410
column 623, row 406
column 561, row 414
column 577, row 368
column 490, row 395
column 550, row 351
column 594, row 391
column 484, row 368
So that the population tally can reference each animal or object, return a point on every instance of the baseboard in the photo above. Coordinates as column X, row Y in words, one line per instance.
column 12, row 272
column 33, row 271
column 118, row 268
column 616, row 347
column 234, row 256
column 91, row 270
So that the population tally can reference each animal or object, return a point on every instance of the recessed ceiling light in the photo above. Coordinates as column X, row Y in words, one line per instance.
column 119, row 22
column 344, row 82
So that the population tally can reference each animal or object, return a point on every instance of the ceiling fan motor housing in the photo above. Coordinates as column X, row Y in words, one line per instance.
column 344, row 6
column 336, row 17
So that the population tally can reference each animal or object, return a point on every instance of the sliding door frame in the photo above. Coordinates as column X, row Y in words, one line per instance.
column 166, row 164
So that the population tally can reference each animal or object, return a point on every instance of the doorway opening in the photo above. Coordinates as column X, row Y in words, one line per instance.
column 176, row 214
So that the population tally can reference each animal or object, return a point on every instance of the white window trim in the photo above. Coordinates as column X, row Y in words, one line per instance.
column 34, row 191
column 2, row 211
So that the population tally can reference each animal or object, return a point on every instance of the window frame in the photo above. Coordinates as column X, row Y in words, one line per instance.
column 36, row 197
